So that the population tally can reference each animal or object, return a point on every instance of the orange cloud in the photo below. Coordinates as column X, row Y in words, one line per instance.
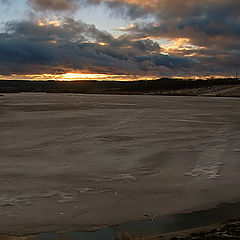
column 179, row 45
column 75, row 76
column 46, row 22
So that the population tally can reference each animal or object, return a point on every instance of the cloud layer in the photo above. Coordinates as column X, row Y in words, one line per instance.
column 36, row 47
column 204, row 37
column 55, row 5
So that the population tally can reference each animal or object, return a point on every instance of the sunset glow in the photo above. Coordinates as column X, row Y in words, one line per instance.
column 77, row 76
column 118, row 39
column 46, row 22
column 88, row 76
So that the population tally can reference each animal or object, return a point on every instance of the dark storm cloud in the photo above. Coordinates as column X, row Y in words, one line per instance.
column 177, row 8
column 189, row 18
column 29, row 48
column 23, row 56
column 212, row 26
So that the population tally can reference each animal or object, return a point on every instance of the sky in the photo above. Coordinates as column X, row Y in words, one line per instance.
column 118, row 39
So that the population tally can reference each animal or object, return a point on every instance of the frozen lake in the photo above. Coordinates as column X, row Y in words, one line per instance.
column 78, row 162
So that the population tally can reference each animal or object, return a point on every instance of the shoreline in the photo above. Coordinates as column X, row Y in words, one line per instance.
column 172, row 94
column 219, row 231
column 180, row 226
column 169, row 87
column 225, row 230
column 129, row 94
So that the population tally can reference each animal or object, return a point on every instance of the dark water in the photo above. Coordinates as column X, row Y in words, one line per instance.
column 162, row 225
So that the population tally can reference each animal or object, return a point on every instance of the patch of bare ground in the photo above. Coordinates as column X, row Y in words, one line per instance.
column 229, row 230
column 226, row 231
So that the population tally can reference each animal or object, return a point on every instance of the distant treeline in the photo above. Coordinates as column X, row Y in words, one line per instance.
column 82, row 86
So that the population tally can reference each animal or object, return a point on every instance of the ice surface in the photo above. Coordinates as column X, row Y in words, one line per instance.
column 93, row 160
